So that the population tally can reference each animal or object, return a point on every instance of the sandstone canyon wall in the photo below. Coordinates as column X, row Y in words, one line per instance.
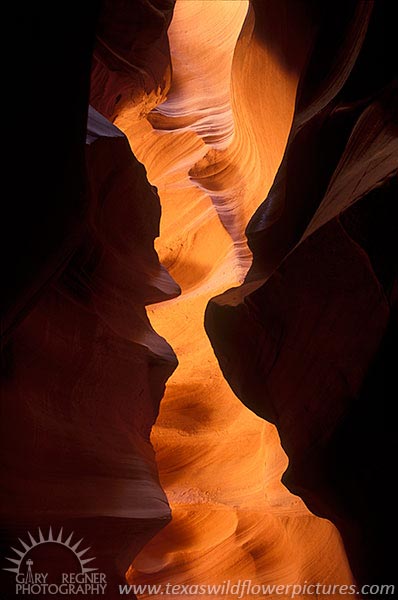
column 212, row 149
column 269, row 129
column 316, row 315
column 83, row 372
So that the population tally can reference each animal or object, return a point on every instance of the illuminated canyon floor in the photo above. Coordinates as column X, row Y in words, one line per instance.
column 212, row 149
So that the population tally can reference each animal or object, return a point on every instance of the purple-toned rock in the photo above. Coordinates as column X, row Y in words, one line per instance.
column 85, row 374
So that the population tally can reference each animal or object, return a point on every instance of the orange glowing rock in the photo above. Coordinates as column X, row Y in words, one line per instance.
column 212, row 149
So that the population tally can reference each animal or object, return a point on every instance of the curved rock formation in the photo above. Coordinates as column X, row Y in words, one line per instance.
column 86, row 373
column 219, row 464
column 292, row 101
column 307, row 342
column 131, row 62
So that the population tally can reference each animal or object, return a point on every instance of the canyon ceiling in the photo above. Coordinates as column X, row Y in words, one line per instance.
column 199, row 289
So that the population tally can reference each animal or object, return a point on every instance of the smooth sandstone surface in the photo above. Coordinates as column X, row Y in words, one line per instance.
column 317, row 313
column 86, row 373
column 212, row 153
column 270, row 132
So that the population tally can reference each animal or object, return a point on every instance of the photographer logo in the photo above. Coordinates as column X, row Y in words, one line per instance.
column 54, row 564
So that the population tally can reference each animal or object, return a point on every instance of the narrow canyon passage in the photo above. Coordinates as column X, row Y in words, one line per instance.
column 213, row 153
column 200, row 300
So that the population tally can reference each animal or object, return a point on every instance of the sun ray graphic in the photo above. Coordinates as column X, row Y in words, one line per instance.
column 53, row 539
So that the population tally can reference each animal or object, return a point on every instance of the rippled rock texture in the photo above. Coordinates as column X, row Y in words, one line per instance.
column 269, row 128
column 85, row 373
column 307, row 342
column 212, row 149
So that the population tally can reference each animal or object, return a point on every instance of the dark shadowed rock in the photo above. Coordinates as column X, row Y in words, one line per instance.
column 131, row 56
column 85, row 373
column 308, row 341
column 46, row 75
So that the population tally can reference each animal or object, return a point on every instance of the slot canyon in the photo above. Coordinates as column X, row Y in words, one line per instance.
column 199, row 304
